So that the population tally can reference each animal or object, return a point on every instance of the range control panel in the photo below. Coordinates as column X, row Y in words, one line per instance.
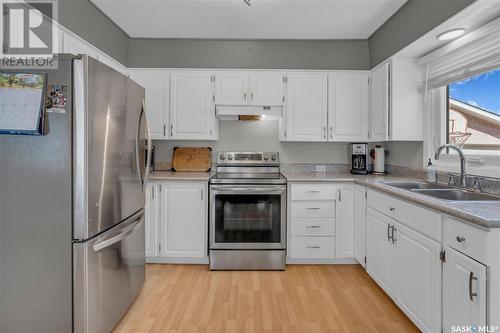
column 247, row 158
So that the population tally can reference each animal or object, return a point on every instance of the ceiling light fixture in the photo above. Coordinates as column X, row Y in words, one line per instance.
column 247, row 2
column 451, row 34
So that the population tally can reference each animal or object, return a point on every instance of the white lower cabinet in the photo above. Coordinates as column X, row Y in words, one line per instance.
column 359, row 223
column 152, row 218
column 417, row 277
column 320, row 223
column 180, row 215
column 464, row 285
column 406, row 264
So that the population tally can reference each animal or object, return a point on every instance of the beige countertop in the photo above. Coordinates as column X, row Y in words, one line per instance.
column 181, row 176
column 485, row 214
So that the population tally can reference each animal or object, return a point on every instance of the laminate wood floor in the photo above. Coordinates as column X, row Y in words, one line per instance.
column 327, row 298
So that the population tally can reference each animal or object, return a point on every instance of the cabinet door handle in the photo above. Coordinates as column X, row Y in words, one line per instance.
column 392, row 235
column 313, row 191
column 313, row 226
column 340, row 195
column 471, row 294
column 164, row 130
column 201, row 194
column 251, row 96
column 313, row 208
column 460, row 239
column 171, row 129
column 324, row 132
column 389, row 227
column 313, row 247
column 245, row 96
column 331, row 131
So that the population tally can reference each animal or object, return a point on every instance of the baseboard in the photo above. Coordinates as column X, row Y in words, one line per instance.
column 177, row 260
column 335, row 261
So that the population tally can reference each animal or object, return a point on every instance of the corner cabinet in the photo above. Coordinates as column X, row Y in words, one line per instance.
column 176, row 222
column 192, row 108
column 396, row 112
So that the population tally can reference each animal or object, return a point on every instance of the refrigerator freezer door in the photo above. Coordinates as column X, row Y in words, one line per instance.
column 109, row 271
column 109, row 139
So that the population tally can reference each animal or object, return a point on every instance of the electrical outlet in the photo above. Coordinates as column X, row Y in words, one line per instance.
column 320, row 168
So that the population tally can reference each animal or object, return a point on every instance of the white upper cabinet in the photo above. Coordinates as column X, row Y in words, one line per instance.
column 396, row 103
column 306, row 107
column 156, row 84
column 348, row 107
column 192, row 113
column 231, row 88
column 266, row 89
column 245, row 88
column 379, row 117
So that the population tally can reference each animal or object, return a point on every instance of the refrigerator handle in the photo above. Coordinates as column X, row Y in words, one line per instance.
column 115, row 239
column 148, row 143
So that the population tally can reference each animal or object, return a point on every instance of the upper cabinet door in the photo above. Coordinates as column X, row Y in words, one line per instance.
column 266, row 89
column 306, row 107
column 231, row 88
column 157, row 96
column 348, row 107
column 192, row 115
column 380, row 103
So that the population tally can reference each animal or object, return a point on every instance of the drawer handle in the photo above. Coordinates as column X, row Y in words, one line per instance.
column 460, row 239
column 313, row 226
column 313, row 247
column 313, row 191
column 313, row 208
column 471, row 294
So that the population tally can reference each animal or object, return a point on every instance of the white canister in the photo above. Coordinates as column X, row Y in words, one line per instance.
column 379, row 159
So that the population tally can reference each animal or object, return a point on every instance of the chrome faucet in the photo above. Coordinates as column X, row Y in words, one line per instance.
column 463, row 179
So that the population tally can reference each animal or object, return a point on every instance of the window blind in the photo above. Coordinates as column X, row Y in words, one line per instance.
column 477, row 55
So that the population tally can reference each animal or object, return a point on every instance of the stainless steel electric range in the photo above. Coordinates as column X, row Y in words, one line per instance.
column 247, row 212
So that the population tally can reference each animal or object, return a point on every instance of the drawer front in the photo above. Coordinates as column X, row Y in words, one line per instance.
column 412, row 215
column 313, row 247
column 465, row 238
column 313, row 227
column 324, row 208
column 311, row 191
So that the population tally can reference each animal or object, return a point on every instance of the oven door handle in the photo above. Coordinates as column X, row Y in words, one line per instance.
column 248, row 190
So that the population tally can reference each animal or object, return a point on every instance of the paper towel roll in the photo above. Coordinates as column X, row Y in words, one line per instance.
column 379, row 161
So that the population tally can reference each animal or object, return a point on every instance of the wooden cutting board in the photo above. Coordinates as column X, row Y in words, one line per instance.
column 192, row 159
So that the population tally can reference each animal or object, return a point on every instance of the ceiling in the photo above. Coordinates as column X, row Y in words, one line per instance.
column 264, row 19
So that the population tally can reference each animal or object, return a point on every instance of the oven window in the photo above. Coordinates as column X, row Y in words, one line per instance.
column 247, row 218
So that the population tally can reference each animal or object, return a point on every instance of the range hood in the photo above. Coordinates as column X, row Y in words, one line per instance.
column 248, row 112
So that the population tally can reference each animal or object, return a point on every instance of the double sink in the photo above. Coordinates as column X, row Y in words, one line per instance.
column 443, row 192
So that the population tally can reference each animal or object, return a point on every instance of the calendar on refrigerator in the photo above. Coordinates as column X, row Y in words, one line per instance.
column 22, row 103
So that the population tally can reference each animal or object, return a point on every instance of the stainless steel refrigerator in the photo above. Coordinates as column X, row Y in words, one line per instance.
column 72, row 207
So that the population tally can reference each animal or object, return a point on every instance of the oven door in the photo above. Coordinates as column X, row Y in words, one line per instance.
column 247, row 217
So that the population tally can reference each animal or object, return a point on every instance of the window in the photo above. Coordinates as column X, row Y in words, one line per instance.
column 473, row 114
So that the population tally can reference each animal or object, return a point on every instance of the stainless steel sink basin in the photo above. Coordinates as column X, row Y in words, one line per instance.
column 416, row 185
column 457, row 195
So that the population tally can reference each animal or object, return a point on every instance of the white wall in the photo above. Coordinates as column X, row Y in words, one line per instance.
column 263, row 136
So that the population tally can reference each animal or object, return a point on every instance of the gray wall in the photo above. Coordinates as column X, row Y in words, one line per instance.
column 261, row 136
column 198, row 53
column 88, row 22
column 411, row 22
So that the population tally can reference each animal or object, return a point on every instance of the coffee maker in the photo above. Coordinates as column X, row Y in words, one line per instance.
column 359, row 158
